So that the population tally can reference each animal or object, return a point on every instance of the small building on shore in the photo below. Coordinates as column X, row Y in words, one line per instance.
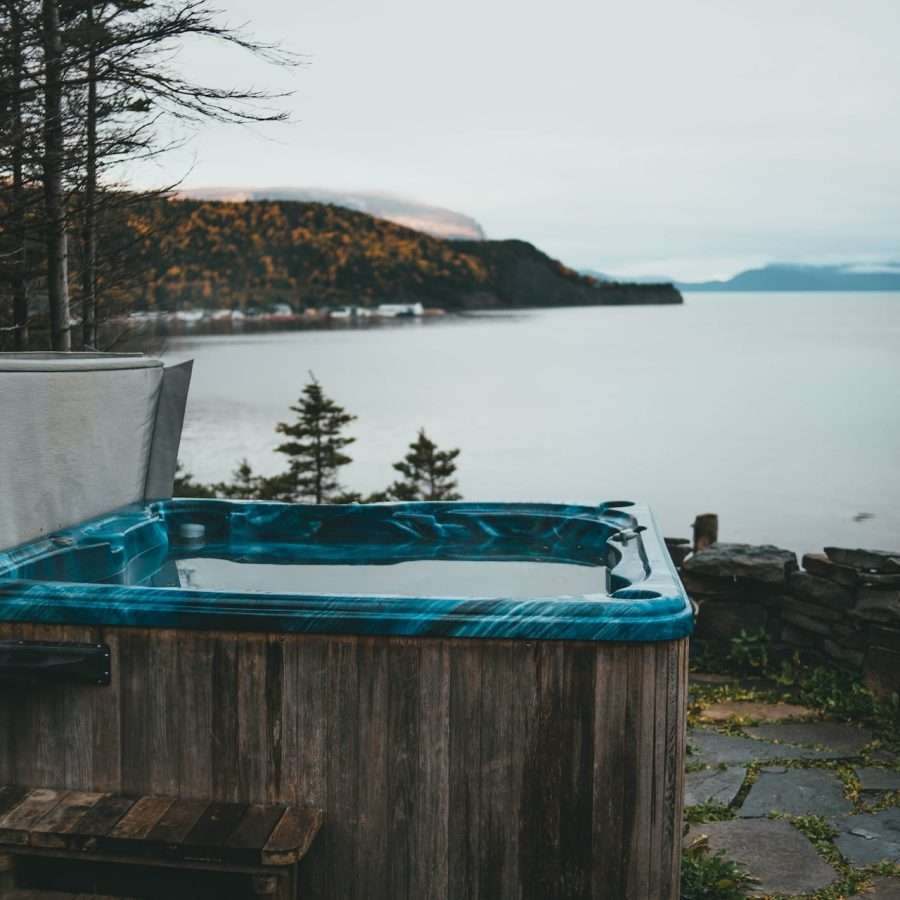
column 395, row 310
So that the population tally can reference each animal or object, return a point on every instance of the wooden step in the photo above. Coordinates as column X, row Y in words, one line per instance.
column 170, row 828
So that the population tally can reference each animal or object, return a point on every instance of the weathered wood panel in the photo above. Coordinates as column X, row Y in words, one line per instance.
column 459, row 769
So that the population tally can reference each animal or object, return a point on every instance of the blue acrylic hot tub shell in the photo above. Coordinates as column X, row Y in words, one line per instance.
column 71, row 577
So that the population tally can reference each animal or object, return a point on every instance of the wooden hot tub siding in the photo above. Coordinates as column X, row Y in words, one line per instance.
column 447, row 768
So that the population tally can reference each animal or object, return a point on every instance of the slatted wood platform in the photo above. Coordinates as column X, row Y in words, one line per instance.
column 263, row 840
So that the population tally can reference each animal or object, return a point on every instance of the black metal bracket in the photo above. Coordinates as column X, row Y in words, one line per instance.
column 43, row 662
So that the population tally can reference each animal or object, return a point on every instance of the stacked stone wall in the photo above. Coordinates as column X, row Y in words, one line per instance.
column 841, row 607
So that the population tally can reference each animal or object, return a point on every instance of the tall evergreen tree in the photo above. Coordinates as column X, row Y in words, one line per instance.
column 427, row 472
column 316, row 445
column 122, row 53
column 83, row 85
column 18, row 41
column 54, row 173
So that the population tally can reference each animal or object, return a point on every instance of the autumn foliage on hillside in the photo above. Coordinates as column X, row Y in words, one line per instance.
column 220, row 254
column 162, row 254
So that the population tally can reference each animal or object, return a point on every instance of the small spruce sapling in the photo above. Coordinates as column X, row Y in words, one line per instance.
column 427, row 472
column 315, row 448
column 185, row 486
column 244, row 484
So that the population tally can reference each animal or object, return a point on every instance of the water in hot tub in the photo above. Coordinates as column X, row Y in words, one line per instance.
column 413, row 578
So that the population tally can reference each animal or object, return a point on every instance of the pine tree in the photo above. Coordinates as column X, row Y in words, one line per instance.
column 84, row 84
column 185, row 486
column 427, row 472
column 316, row 445
column 245, row 484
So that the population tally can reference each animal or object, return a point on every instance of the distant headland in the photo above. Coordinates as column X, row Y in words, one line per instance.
column 785, row 277
column 798, row 277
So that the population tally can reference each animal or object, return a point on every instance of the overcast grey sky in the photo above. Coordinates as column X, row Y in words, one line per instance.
column 682, row 137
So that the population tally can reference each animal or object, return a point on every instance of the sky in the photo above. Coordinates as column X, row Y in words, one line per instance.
column 686, row 138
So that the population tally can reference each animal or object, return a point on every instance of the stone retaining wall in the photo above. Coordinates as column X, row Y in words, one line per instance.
column 841, row 607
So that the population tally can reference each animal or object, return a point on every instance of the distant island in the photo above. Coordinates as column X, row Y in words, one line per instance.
column 799, row 277
column 245, row 254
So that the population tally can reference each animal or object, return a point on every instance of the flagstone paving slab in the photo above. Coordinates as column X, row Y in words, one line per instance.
column 773, row 851
column 761, row 712
column 885, row 757
column 712, row 748
column 882, row 889
column 875, row 779
column 847, row 740
column 799, row 792
column 869, row 838
column 718, row 785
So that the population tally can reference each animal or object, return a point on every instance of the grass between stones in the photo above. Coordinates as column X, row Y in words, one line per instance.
column 711, row 811
column 833, row 695
column 710, row 876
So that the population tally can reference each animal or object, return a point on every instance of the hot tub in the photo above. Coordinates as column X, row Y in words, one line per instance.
column 487, row 700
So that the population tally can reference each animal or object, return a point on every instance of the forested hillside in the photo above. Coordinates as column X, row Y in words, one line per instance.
column 238, row 254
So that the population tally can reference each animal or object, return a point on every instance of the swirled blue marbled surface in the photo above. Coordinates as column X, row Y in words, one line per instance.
column 106, row 571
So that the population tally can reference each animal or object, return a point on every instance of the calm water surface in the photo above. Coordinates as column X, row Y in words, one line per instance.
column 780, row 412
column 415, row 578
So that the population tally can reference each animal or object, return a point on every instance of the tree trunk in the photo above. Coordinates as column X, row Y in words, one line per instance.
column 54, row 202
column 89, row 233
column 18, row 229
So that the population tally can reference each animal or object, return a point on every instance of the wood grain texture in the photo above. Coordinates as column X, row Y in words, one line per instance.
column 62, row 819
column 447, row 769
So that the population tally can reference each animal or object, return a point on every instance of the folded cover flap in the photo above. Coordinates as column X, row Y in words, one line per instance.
column 75, row 437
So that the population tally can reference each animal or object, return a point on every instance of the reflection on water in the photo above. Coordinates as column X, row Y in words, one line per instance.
column 430, row 578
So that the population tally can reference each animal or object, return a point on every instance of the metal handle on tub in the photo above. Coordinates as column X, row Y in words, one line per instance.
column 628, row 534
column 44, row 662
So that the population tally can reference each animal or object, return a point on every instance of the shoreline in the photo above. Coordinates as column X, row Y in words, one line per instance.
column 136, row 329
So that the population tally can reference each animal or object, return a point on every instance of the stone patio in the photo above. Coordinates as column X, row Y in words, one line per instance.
column 792, row 768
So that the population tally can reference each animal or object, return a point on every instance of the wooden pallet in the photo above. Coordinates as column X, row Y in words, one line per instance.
column 263, row 841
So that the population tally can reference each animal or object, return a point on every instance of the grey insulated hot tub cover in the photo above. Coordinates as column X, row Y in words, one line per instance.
column 82, row 434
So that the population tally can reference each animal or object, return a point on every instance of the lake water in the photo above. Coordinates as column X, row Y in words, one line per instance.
column 780, row 412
